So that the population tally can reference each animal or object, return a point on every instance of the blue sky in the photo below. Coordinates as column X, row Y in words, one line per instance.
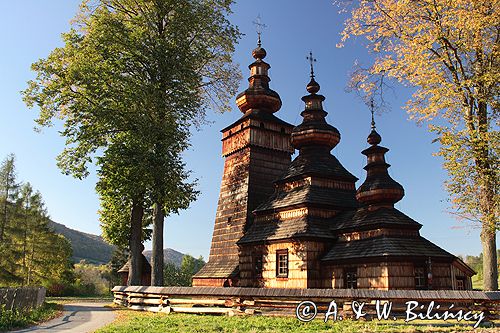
column 30, row 29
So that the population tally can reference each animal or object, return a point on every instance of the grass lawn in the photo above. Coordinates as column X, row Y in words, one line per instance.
column 477, row 282
column 20, row 319
column 134, row 321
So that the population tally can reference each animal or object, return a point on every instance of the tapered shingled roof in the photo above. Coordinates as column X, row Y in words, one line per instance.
column 324, row 165
column 261, row 116
column 329, row 228
column 300, row 227
column 219, row 269
column 386, row 246
column 364, row 218
column 310, row 194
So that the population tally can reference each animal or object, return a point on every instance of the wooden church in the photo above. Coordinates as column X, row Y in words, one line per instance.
column 302, row 223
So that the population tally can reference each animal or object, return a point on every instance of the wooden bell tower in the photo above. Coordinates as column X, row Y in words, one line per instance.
column 257, row 150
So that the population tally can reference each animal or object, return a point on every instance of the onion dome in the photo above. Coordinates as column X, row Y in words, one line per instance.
column 314, row 131
column 379, row 188
column 315, row 178
column 258, row 96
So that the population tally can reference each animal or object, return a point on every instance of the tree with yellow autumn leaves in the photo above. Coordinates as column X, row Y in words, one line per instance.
column 449, row 52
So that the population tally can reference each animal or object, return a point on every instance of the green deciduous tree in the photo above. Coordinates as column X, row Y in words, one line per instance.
column 450, row 52
column 132, row 79
column 183, row 275
column 122, row 188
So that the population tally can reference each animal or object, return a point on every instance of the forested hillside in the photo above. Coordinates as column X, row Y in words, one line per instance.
column 88, row 247
column 169, row 256
column 93, row 249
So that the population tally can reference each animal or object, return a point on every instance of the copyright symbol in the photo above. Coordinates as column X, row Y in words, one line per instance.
column 306, row 311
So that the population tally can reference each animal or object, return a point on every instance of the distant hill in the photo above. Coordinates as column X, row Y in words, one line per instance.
column 169, row 255
column 85, row 246
column 95, row 250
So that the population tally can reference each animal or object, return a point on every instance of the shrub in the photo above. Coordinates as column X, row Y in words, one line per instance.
column 10, row 319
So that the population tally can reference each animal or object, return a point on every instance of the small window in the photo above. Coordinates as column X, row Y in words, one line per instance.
column 282, row 263
column 229, row 221
column 351, row 278
column 420, row 279
column 460, row 283
column 282, row 130
column 262, row 125
column 258, row 265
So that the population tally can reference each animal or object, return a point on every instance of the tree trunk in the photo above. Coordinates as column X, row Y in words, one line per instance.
column 486, row 201
column 25, row 253
column 490, row 269
column 157, row 255
column 135, row 268
column 25, row 240
column 488, row 236
column 4, row 220
column 32, row 259
column 9, row 174
column 4, row 217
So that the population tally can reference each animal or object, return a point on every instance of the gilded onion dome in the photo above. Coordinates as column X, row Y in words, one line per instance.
column 378, row 189
column 258, row 96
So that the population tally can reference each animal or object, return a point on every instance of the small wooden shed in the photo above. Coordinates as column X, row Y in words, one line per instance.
column 146, row 272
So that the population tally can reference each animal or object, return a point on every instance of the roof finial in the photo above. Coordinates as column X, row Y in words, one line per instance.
column 372, row 110
column 259, row 26
column 374, row 138
column 311, row 61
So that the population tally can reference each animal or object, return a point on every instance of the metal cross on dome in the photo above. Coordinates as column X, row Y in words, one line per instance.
column 372, row 110
column 311, row 61
column 259, row 26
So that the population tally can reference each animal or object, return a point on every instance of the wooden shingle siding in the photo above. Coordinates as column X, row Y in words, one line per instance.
column 390, row 275
column 244, row 186
column 304, row 270
column 250, row 167
column 358, row 235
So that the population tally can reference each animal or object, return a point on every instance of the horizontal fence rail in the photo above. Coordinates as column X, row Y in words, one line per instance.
column 273, row 301
column 22, row 298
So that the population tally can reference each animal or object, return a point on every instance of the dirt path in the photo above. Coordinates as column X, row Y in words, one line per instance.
column 77, row 317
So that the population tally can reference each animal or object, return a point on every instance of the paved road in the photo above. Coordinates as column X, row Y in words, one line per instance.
column 78, row 318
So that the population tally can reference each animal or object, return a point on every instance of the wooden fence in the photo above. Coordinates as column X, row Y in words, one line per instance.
column 22, row 298
column 273, row 301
